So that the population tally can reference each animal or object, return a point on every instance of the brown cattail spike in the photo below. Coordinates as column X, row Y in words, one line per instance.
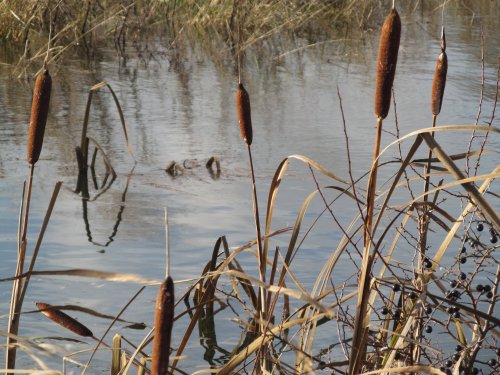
column 164, row 320
column 244, row 114
column 386, row 63
column 63, row 319
column 439, row 82
column 39, row 112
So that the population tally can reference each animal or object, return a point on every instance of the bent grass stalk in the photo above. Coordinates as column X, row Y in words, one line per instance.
column 386, row 70
column 36, row 131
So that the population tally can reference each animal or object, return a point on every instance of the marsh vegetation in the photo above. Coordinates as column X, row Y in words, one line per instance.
column 387, row 264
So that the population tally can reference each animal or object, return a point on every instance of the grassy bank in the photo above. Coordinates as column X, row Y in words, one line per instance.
column 33, row 31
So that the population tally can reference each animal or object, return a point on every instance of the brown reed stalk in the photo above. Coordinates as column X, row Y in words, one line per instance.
column 63, row 319
column 438, row 87
column 243, row 111
column 38, row 120
column 386, row 70
column 164, row 320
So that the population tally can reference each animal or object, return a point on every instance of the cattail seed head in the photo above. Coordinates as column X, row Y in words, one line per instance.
column 63, row 319
column 386, row 63
column 439, row 83
column 39, row 112
column 244, row 114
column 164, row 320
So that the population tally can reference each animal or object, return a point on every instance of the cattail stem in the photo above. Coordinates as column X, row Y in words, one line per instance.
column 372, row 184
column 16, row 303
column 260, row 251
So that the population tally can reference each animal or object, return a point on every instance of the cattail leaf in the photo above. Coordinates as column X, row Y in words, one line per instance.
column 39, row 112
column 386, row 63
column 63, row 319
column 244, row 114
column 164, row 320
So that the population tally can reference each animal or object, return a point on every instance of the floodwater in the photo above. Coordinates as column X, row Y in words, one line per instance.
column 179, row 105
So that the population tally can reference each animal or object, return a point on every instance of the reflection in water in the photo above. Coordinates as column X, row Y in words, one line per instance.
column 85, row 201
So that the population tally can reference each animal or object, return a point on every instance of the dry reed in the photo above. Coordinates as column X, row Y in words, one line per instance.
column 439, row 82
column 386, row 69
column 386, row 63
column 244, row 114
column 164, row 320
column 39, row 112
column 63, row 319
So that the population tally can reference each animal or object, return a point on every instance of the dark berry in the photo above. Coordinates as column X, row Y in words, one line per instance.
column 498, row 352
column 385, row 310
column 455, row 294
column 463, row 276
column 397, row 356
column 463, row 260
column 493, row 239
column 428, row 264
column 449, row 363
column 480, row 227
column 412, row 295
column 456, row 315
column 428, row 329
column 396, row 287
column 480, row 288
column 458, row 348
column 453, row 283
column 442, row 369
column 492, row 362
column 456, row 357
column 397, row 314
column 487, row 288
column 475, row 371
column 450, row 310
column 489, row 294
column 463, row 249
column 472, row 242
column 428, row 310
